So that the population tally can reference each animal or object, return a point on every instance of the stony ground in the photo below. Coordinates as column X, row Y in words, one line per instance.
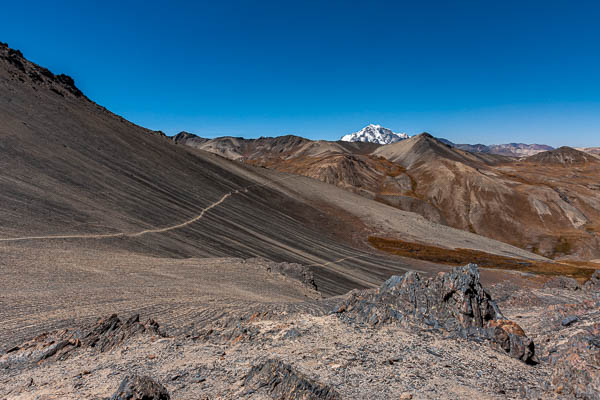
column 358, row 362
column 213, row 359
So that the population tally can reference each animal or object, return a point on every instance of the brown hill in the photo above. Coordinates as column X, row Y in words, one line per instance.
column 566, row 156
column 425, row 148
column 521, row 203
column 500, row 198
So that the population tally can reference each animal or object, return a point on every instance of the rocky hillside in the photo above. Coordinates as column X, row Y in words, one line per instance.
column 565, row 156
column 529, row 203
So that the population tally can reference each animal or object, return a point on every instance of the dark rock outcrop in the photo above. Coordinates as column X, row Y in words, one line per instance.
column 104, row 335
column 281, row 381
column 69, row 83
column 295, row 271
column 140, row 388
column 38, row 75
column 454, row 302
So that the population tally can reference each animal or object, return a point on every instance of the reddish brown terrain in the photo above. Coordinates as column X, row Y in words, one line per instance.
column 548, row 203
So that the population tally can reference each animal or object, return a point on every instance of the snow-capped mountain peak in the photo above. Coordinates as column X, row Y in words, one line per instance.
column 375, row 134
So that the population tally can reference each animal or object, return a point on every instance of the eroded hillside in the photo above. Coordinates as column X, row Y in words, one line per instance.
column 547, row 203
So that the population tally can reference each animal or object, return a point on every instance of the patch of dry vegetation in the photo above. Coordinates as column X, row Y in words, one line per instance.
column 578, row 270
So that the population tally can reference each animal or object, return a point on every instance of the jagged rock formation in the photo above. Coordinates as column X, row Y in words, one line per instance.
column 59, row 84
column 454, row 302
column 295, row 271
column 105, row 334
column 140, row 388
column 281, row 381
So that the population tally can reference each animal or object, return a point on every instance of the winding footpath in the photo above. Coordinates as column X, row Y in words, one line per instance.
column 147, row 231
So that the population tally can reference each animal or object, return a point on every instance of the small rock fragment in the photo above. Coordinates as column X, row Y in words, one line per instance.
column 140, row 388
column 569, row 320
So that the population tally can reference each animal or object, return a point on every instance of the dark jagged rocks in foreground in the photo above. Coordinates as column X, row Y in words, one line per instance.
column 104, row 335
column 140, row 388
column 281, row 381
column 454, row 302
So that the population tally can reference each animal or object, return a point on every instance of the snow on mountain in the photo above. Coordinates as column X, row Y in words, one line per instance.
column 375, row 134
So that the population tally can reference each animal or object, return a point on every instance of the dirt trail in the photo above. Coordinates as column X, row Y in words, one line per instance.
column 147, row 231
column 337, row 261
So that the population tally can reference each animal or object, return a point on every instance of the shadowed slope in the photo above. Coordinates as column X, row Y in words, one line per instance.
column 72, row 171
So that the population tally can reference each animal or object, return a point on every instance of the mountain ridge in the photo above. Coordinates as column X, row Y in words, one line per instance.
column 449, row 185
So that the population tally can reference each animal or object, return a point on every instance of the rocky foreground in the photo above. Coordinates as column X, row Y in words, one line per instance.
column 414, row 337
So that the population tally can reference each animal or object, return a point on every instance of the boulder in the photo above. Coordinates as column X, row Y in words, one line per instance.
column 140, row 388
column 281, row 381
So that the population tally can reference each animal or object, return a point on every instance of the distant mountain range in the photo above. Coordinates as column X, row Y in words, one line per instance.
column 380, row 135
column 499, row 191
column 508, row 149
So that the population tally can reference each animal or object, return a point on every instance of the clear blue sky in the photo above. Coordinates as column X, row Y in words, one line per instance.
column 469, row 71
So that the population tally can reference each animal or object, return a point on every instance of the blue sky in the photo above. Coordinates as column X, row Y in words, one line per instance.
column 474, row 72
